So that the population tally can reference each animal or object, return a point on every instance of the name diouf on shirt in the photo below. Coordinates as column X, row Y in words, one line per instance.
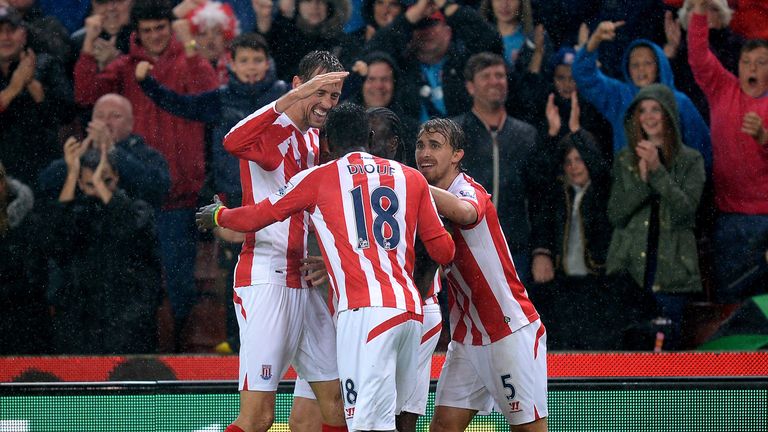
column 381, row 169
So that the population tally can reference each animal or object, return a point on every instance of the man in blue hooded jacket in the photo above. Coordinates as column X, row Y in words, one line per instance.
column 644, row 63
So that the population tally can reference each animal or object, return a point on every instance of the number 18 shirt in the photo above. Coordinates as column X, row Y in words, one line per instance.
column 366, row 212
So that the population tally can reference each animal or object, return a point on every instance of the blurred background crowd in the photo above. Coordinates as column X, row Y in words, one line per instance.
column 624, row 142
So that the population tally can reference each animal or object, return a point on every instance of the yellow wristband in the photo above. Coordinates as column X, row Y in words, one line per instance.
column 216, row 215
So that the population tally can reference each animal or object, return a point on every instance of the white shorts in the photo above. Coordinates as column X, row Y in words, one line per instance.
column 378, row 355
column 282, row 326
column 303, row 389
column 430, row 335
column 509, row 375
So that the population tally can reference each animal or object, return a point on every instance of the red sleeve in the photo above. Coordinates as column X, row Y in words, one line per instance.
column 249, row 218
column 256, row 139
column 706, row 68
column 674, row 3
column 430, row 230
column 298, row 194
column 90, row 84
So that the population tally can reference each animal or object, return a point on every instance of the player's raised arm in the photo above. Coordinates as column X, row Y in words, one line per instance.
column 454, row 209
column 309, row 88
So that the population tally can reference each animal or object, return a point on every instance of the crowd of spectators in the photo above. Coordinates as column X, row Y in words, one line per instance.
column 113, row 112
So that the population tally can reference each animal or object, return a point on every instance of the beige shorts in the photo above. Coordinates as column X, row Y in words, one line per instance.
column 430, row 334
column 508, row 376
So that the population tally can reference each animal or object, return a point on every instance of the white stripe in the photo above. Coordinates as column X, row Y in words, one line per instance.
column 472, row 312
column 325, row 237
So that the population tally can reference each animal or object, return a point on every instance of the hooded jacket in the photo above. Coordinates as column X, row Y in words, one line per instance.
column 551, row 228
column 222, row 109
column 612, row 97
column 179, row 140
column 290, row 39
column 678, row 185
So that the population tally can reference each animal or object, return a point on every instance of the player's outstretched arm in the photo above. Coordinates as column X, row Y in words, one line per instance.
column 242, row 219
column 308, row 88
column 454, row 209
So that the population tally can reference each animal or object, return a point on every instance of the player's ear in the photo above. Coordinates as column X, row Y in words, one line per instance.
column 371, row 133
column 457, row 156
column 296, row 81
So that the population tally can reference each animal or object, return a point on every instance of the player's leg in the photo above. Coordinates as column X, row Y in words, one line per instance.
column 461, row 393
column 517, row 377
column 257, row 411
column 315, row 359
column 451, row 419
column 416, row 404
column 305, row 412
column 269, row 336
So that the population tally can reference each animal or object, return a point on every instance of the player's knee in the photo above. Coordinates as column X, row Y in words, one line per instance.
column 297, row 424
column 439, row 425
column 261, row 422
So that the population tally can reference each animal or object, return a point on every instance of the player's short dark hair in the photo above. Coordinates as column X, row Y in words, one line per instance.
column 91, row 158
column 753, row 44
column 347, row 127
column 392, row 122
column 318, row 62
column 481, row 61
column 447, row 128
column 252, row 41
column 144, row 10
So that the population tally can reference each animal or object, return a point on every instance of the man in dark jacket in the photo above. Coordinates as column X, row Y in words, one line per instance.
column 499, row 149
column 143, row 170
column 34, row 94
column 105, row 243
column 431, row 43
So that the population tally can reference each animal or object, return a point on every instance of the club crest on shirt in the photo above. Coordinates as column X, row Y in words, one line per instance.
column 266, row 372
column 467, row 194
column 284, row 190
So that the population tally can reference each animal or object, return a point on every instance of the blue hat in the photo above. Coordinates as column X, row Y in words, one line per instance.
column 564, row 56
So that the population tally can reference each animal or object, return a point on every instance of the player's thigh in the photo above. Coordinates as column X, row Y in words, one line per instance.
column 269, row 333
column 315, row 358
column 517, row 374
column 461, row 385
column 369, row 341
column 433, row 321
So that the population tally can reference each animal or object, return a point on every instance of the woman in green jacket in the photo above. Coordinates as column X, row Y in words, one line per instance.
column 657, row 185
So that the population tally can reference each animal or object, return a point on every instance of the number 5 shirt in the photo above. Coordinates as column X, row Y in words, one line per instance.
column 486, row 298
column 366, row 211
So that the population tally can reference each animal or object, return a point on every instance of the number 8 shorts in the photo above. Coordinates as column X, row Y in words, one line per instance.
column 378, row 362
column 509, row 375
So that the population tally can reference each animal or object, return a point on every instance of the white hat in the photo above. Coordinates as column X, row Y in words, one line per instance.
column 684, row 13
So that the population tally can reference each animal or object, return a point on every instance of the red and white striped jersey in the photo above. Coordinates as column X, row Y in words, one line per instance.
column 367, row 212
column 271, row 150
column 486, row 298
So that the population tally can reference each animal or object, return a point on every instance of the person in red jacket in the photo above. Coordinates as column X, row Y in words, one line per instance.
column 177, row 66
column 739, row 110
